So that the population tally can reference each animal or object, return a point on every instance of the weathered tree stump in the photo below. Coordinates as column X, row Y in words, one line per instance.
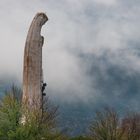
column 32, row 70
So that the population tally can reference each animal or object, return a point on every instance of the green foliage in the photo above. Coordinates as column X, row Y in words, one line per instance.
column 38, row 125
column 80, row 138
column 9, row 115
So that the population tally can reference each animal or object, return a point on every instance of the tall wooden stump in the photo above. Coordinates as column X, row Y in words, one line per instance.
column 32, row 70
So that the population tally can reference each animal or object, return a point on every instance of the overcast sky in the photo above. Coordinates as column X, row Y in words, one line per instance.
column 91, row 50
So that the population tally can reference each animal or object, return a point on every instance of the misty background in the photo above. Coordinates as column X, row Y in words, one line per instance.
column 91, row 54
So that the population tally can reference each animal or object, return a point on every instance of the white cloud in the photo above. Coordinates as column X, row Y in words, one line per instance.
column 74, row 26
column 106, row 2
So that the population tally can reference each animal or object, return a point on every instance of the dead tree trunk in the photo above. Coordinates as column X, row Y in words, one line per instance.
column 32, row 70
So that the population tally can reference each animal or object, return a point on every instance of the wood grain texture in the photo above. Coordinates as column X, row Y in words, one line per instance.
column 32, row 69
